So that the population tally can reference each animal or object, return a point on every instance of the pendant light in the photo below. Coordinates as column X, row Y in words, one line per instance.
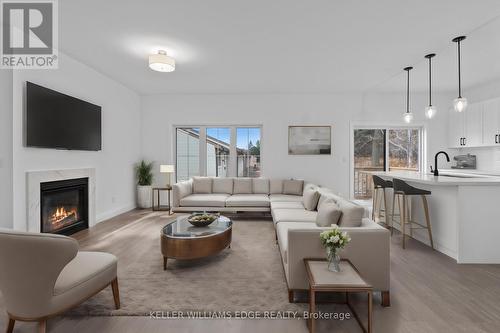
column 161, row 62
column 460, row 103
column 430, row 110
column 408, row 116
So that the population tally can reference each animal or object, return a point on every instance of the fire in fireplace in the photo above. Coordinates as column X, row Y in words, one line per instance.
column 64, row 206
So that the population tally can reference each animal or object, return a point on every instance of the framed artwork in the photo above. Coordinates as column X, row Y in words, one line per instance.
column 309, row 140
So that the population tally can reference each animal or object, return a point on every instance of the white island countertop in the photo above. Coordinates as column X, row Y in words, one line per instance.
column 445, row 178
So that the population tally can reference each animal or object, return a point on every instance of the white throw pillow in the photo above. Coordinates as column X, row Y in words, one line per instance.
column 260, row 185
column 329, row 213
column 242, row 186
column 293, row 186
column 202, row 185
column 222, row 185
column 310, row 198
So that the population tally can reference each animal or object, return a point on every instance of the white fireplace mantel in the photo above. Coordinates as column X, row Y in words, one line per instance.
column 33, row 180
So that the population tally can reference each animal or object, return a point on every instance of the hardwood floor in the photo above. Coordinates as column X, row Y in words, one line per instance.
column 429, row 293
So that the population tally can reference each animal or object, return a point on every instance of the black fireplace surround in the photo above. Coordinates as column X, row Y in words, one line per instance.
column 64, row 206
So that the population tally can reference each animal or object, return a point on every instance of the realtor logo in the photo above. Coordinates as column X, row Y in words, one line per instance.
column 29, row 34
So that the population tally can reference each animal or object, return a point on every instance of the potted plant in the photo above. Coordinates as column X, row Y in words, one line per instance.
column 334, row 240
column 144, row 175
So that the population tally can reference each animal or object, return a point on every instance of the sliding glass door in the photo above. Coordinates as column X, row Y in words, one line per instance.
column 383, row 149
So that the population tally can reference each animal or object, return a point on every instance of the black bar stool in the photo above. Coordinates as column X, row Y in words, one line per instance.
column 379, row 185
column 402, row 191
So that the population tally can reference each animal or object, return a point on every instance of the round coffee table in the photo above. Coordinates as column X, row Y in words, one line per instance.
column 181, row 240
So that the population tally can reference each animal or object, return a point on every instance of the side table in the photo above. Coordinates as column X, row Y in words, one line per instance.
column 347, row 280
column 158, row 206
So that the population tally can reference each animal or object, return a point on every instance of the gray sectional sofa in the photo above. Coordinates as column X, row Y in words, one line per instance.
column 298, row 212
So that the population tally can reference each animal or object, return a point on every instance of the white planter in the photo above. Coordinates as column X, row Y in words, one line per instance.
column 144, row 196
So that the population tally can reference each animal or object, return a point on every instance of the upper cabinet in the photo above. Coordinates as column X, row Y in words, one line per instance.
column 477, row 126
column 491, row 124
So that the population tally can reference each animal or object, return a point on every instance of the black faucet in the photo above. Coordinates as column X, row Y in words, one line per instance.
column 436, row 172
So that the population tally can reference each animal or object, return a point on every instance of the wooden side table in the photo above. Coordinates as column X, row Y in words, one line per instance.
column 347, row 280
column 159, row 206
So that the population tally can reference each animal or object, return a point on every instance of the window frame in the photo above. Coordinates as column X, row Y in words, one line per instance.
column 422, row 156
column 232, row 167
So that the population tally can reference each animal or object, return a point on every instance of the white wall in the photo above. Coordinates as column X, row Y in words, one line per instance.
column 276, row 112
column 6, row 148
column 121, row 137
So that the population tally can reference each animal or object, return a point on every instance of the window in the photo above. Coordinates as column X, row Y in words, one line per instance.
column 218, row 151
column 383, row 149
column 248, row 152
column 218, row 145
column 188, row 153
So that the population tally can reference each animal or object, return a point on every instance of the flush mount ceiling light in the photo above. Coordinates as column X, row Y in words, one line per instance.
column 430, row 110
column 161, row 62
column 408, row 116
column 460, row 103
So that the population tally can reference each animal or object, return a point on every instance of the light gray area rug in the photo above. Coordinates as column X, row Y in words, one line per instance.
column 247, row 277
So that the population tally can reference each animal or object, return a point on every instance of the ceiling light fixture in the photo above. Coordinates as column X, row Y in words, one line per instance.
column 460, row 103
column 161, row 62
column 430, row 110
column 408, row 116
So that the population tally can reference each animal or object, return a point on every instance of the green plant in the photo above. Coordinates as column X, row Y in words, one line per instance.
column 144, row 174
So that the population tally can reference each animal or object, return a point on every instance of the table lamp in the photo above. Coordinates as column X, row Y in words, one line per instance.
column 168, row 169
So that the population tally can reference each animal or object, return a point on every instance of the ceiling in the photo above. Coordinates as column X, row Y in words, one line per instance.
column 282, row 46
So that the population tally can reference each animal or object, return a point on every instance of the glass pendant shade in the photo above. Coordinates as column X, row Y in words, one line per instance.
column 408, row 117
column 460, row 104
column 430, row 111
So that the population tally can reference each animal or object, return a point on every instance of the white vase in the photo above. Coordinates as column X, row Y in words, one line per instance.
column 144, row 196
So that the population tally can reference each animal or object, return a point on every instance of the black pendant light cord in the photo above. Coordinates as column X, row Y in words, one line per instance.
column 430, row 82
column 459, row 73
column 407, row 69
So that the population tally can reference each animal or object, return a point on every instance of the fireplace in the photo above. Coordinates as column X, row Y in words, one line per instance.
column 64, row 206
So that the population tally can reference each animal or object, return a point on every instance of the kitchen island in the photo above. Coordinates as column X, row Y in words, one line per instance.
column 464, row 211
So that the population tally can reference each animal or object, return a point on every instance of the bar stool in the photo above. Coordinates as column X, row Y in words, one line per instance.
column 402, row 191
column 379, row 185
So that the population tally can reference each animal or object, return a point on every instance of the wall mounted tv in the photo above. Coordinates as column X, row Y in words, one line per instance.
column 56, row 120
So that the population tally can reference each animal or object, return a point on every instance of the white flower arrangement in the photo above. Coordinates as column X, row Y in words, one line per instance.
column 334, row 240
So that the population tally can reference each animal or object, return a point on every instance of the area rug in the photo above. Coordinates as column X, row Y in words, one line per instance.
column 247, row 277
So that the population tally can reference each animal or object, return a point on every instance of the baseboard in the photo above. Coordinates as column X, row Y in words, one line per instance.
column 112, row 213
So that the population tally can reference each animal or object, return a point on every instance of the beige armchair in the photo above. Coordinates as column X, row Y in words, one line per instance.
column 42, row 275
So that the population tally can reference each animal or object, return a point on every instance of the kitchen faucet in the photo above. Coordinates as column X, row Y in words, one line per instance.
column 436, row 172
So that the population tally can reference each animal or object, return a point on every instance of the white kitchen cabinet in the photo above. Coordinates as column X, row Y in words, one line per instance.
column 491, row 122
column 473, row 125
column 456, row 129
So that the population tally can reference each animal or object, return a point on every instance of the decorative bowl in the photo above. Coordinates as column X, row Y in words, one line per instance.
column 202, row 219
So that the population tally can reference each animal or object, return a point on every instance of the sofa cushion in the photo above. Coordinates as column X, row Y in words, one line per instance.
column 293, row 186
column 287, row 204
column 276, row 186
column 352, row 214
column 282, row 233
column 242, row 186
column 222, row 185
column 285, row 197
column 202, row 185
column 310, row 198
column 205, row 200
column 293, row 215
column 89, row 270
column 181, row 190
column 328, row 214
column 260, row 185
column 248, row 200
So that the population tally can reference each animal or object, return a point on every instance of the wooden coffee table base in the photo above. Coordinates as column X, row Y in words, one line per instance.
column 194, row 248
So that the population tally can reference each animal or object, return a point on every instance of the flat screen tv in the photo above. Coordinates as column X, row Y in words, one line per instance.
column 56, row 120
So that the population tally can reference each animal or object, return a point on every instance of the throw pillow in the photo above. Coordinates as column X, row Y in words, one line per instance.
column 310, row 198
column 202, row 185
column 293, row 186
column 276, row 186
column 242, row 186
column 329, row 213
